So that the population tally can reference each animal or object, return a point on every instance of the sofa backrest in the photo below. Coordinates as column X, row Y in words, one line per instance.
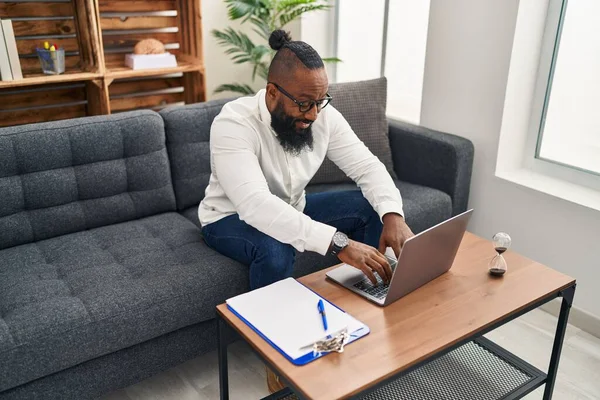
column 363, row 105
column 188, row 133
column 68, row 176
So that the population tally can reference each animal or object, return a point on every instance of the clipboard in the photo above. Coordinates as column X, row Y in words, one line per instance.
column 290, row 339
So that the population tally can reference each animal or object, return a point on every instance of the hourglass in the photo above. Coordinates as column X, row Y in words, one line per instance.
column 497, row 265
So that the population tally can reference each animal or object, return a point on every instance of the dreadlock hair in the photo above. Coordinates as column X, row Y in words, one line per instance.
column 290, row 55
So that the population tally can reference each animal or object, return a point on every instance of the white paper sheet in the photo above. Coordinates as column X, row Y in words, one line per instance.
column 286, row 312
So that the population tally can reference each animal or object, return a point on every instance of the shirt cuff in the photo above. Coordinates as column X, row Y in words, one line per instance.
column 389, row 207
column 320, row 238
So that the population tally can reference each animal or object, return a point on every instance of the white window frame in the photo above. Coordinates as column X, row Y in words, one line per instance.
column 409, row 112
column 531, row 65
column 550, row 46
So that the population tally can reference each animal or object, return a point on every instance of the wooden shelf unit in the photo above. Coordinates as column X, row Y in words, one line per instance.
column 41, row 79
column 188, row 64
column 96, row 35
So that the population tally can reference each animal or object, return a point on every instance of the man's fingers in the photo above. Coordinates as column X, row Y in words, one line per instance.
column 397, row 247
column 379, row 269
column 386, row 265
column 369, row 273
column 382, row 245
column 382, row 260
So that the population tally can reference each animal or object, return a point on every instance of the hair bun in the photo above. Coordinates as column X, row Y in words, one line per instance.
column 278, row 38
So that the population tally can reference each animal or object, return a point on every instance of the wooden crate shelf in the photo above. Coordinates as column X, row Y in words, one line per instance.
column 46, row 102
column 96, row 35
column 42, row 79
column 118, row 70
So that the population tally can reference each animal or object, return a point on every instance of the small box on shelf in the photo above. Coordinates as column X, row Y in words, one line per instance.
column 117, row 69
column 150, row 61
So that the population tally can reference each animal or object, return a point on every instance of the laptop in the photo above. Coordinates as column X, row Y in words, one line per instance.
column 423, row 258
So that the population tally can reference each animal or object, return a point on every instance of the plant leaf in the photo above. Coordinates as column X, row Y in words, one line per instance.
column 284, row 5
column 243, row 8
column 259, row 52
column 263, row 71
column 262, row 25
column 238, row 43
column 295, row 13
column 331, row 60
column 235, row 87
column 260, row 33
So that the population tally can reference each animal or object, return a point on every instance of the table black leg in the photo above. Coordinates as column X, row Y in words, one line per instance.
column 559, row 337
column 223, row 370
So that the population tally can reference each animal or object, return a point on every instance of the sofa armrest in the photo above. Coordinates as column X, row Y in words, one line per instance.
column 435, row 159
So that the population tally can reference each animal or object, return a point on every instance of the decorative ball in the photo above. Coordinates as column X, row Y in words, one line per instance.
column 149, row 46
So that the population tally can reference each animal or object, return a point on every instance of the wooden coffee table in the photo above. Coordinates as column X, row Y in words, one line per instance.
column 432, row 335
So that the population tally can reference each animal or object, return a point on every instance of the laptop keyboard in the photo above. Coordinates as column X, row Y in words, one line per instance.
column 379, row 291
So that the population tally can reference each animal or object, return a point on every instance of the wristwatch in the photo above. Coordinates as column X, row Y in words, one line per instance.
column 339, row 242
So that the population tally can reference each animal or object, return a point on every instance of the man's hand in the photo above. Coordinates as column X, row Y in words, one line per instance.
column 395, row 233
column 367, row 259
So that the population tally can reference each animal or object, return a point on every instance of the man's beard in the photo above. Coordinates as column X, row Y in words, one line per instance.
column 294, row 141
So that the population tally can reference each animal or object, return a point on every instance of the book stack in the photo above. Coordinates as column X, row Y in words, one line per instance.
column 10, row 66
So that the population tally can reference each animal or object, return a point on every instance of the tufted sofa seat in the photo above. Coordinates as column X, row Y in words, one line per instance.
column 76, row 297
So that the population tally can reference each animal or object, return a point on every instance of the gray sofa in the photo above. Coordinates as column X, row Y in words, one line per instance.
column 104, row 277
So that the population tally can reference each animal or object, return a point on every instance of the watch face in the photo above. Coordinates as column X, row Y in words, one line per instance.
column 340, row 240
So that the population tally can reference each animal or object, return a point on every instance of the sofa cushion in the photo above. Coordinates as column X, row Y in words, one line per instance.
column 424, row 207
column 76, row 297
column 363, row 105
column 191, row 213
column 188, row 133
column 69, row 176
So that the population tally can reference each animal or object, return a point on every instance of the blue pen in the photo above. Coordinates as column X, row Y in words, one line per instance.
column 321, row 308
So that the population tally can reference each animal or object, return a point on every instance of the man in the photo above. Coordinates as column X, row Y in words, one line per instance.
column 264, row 151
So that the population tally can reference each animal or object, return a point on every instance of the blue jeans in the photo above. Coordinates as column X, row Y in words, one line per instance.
column 270, row 260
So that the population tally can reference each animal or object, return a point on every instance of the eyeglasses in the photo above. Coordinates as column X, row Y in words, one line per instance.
column 305, row 106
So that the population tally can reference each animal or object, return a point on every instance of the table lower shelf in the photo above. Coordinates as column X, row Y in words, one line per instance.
column 478, row 370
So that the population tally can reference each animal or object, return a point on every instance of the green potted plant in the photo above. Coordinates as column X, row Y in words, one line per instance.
column 266, row 16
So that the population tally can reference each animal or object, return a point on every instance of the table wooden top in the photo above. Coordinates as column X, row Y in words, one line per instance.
column 462, row 302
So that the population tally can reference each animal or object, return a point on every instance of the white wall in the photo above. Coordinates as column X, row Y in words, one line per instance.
column 466, row 72
column 219, row 67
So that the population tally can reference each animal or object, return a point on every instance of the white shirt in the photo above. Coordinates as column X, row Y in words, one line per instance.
column 253, row 176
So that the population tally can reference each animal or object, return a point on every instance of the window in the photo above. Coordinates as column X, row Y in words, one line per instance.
column 569, row 126
column 385, row 38
column 359, row 39
column 548, row 122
